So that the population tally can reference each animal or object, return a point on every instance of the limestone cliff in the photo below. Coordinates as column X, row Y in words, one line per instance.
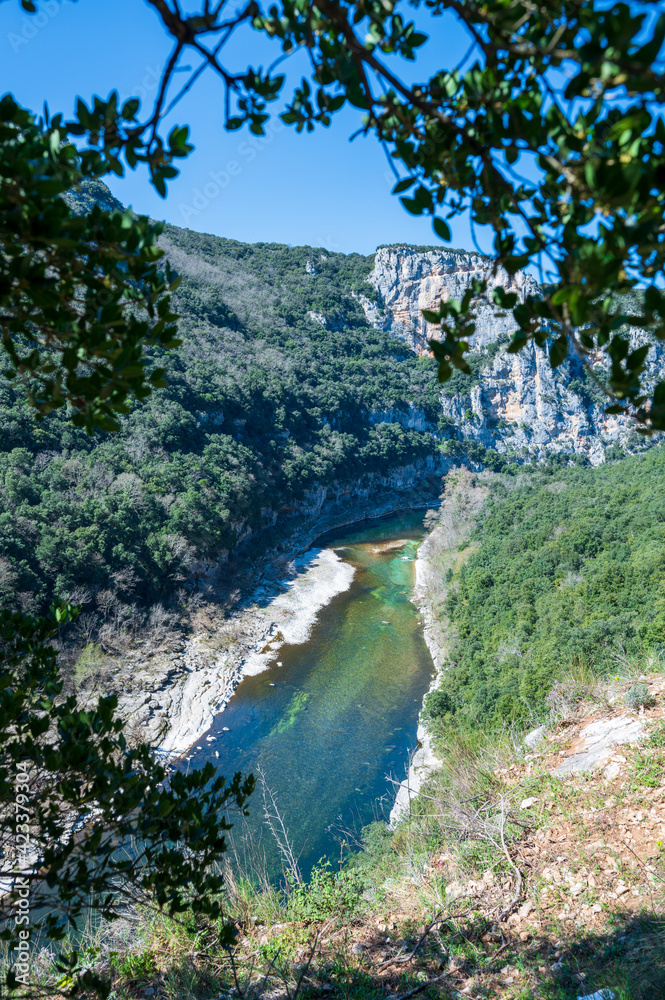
column 515, row 404
column 408, row 280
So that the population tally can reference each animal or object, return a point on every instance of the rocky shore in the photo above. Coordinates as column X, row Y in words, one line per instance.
column 424, row 760
column 180, row 694
column 170, row 697
column 202, row 678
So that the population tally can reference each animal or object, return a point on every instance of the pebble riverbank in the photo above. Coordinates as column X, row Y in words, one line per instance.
column 183, row 702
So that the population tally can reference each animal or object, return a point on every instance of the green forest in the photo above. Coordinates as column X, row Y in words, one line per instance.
column 280, row 385
column 263, row 402
column 568, row 570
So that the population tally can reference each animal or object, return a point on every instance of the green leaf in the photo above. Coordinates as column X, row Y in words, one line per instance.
column 431, row 316
column 130, row 109
column 413, row 205
column 558, row 351
column 503, row 298
column 404, row 185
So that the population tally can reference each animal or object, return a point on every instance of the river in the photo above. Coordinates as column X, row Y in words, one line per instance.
column 333, row 717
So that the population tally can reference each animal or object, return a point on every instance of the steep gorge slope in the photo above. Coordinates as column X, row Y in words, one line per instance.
column 525, row 577
column 269, row 425
column 302, row 397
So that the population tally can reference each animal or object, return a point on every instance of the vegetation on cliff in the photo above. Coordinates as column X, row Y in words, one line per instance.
column 74, row 332
column 505, row 882
column 574, row 92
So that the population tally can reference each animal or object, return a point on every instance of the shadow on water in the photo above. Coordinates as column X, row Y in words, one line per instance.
column 331, row 718
column 276, row 577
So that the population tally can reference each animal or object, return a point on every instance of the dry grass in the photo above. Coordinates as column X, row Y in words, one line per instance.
column 507, row 881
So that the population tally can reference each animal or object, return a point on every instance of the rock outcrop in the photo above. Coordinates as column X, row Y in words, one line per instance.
column 408, row 280
column 514, row 404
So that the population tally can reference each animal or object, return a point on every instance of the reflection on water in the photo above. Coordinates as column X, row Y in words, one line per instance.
column 341, row 712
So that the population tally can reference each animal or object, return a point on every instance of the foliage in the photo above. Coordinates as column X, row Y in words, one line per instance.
column 326, row 894
column 91, row 658
column 137, row 965
column 255, row 413
column 639, row 697
column 548, row 132
column 81, row 296
column 569, row 567
column 646, row 770
column 64, row 768
column 459, row 382
column 262, row 404
column 574, row 91
column 87, row 823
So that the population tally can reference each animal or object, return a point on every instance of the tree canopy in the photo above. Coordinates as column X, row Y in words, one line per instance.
column 564, row 568
column 548, row 132
column 88, row 822
column 81, row 295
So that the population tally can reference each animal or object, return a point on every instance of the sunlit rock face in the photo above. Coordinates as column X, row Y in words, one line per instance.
column 513, row 403
column 409, row 281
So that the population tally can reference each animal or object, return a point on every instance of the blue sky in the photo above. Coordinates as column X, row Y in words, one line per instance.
column 318, row 189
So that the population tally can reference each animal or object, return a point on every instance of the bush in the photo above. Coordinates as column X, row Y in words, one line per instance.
column 438, row 704
column 327, row 893
column 90, row 660
column 639, row 697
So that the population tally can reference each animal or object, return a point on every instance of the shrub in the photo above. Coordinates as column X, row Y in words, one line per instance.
column 639, row 697
column 91, row 659
column 326, row 894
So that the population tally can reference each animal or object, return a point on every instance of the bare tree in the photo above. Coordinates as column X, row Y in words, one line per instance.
column 275, row 823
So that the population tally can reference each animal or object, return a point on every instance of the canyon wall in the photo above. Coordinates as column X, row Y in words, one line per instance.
column 514, row 404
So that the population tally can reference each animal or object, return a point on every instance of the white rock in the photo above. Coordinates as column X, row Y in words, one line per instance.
column 597, row 740
column 519, row 402
column 534, row 737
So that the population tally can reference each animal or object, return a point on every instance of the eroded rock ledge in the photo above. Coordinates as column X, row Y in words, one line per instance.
column 514, row 403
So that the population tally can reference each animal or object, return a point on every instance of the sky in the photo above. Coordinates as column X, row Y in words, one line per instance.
column 318, row 190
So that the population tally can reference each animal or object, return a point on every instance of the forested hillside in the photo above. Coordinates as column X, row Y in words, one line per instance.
column 281, row 386
column 263, row 402
column 568, row 573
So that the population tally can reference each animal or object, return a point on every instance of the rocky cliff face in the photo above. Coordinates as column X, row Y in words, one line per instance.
column 408, row 280
column 514, row 404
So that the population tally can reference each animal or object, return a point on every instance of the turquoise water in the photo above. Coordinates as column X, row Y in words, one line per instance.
column 342, row 714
